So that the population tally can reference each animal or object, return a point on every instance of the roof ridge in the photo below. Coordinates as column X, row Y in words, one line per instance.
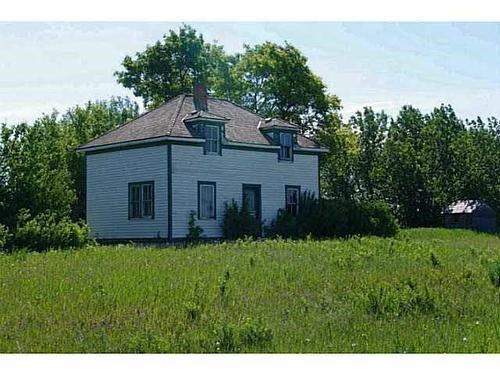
column 126, row 123
column 238, row 105
column 264, row 119
column 178, row 110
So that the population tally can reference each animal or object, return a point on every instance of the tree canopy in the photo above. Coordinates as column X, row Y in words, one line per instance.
column 269, row 79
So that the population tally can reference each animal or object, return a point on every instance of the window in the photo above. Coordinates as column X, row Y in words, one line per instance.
column 211, row 139
column 206, row 200
column 292, row 194
column 141, row 200
column 286, row 146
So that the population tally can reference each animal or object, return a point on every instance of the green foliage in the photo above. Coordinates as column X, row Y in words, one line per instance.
column 46, row 231
column 275, row 81
column 171, row 66
column 249, row 335
column 494, row 274
column 39, row 168
column 269, row 79
column 238, row 222
column 418, row 163
column 339, row 166
column 194, row 231
column 284, row 226
column 334, row 218
column 4, row 237
column 369, row 295
column 387, row 301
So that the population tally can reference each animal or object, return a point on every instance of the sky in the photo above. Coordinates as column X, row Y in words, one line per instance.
column 46, row 66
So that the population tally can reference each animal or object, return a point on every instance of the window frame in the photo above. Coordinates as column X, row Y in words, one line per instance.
column 258, row 189
column 217, row 139
column 141, row 185
column 283, row 147
column 214, row 195
column 292, row 187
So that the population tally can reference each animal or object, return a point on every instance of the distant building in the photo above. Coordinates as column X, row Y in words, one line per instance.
column 470, row 214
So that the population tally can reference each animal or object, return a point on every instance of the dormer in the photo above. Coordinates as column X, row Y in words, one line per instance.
column 280, row 133
column 204, row 124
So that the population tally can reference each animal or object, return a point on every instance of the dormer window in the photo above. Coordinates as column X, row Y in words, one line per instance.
column 212, row 139
column 286, row 146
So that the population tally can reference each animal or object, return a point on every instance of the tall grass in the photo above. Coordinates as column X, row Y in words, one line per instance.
column 424, row 291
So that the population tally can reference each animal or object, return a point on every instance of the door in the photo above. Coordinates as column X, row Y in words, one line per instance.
column 252, row 198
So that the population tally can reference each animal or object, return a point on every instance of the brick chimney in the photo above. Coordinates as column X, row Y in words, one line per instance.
column 200, row 96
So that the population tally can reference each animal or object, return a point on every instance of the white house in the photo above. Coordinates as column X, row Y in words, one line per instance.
column 194, row 153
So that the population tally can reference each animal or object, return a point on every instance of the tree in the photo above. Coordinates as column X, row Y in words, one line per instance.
column 84, row 123
column 406, row 188
column 170, row 67
column 371, row 128
column 37, row 177
column 338, row 167
column 269, row 79
column 275, row 81
column 40, row 170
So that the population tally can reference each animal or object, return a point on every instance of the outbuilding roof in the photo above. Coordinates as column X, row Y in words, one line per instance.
column 466, row 207
column 169, row 120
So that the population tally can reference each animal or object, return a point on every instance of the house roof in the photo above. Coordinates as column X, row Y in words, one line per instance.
column 169, row 120
column 466, row 207
column 276, row 123
column 205, row 116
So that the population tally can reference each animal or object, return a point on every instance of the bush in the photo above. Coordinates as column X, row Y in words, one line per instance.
column 285, row 225
column 45, row 231
column 194, row 231
column 4, row 237
column 238, row 222
column 334, row 218
column 377, row 219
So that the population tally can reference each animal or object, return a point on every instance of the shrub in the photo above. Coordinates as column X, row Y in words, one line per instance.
column 4, row 237
column 238, row 222
column 494, row 274
column 45, row 231
column 406, row 298
column 194, row 231
column 334, row 218
column 378, row 219
column 285, row 225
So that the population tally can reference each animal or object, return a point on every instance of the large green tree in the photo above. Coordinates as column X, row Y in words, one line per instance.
column 339, row 179
column 36, row 173
column 39, row 168
column 371, row 128
column 84, row 123
column 269, row 79
column 171, row 66
column 276, row 81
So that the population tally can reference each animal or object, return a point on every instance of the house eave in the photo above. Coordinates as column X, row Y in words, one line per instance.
column 139, row 142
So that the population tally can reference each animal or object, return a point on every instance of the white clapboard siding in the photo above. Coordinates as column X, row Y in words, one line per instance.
column 108, row 176
column 229, row 171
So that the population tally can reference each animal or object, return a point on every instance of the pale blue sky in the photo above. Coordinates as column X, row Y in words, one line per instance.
column 383, row 65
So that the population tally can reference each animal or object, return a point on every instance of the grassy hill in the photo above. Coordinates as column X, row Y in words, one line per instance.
column 428, row 290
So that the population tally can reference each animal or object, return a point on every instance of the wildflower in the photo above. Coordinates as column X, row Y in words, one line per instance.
column 464, row 339
column 477, row 322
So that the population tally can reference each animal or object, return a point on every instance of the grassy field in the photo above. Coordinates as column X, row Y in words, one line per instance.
column 424, row 291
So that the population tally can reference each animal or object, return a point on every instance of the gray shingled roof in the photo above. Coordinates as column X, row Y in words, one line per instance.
column 270, row 123
column 465, row 207
column 168, row 121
